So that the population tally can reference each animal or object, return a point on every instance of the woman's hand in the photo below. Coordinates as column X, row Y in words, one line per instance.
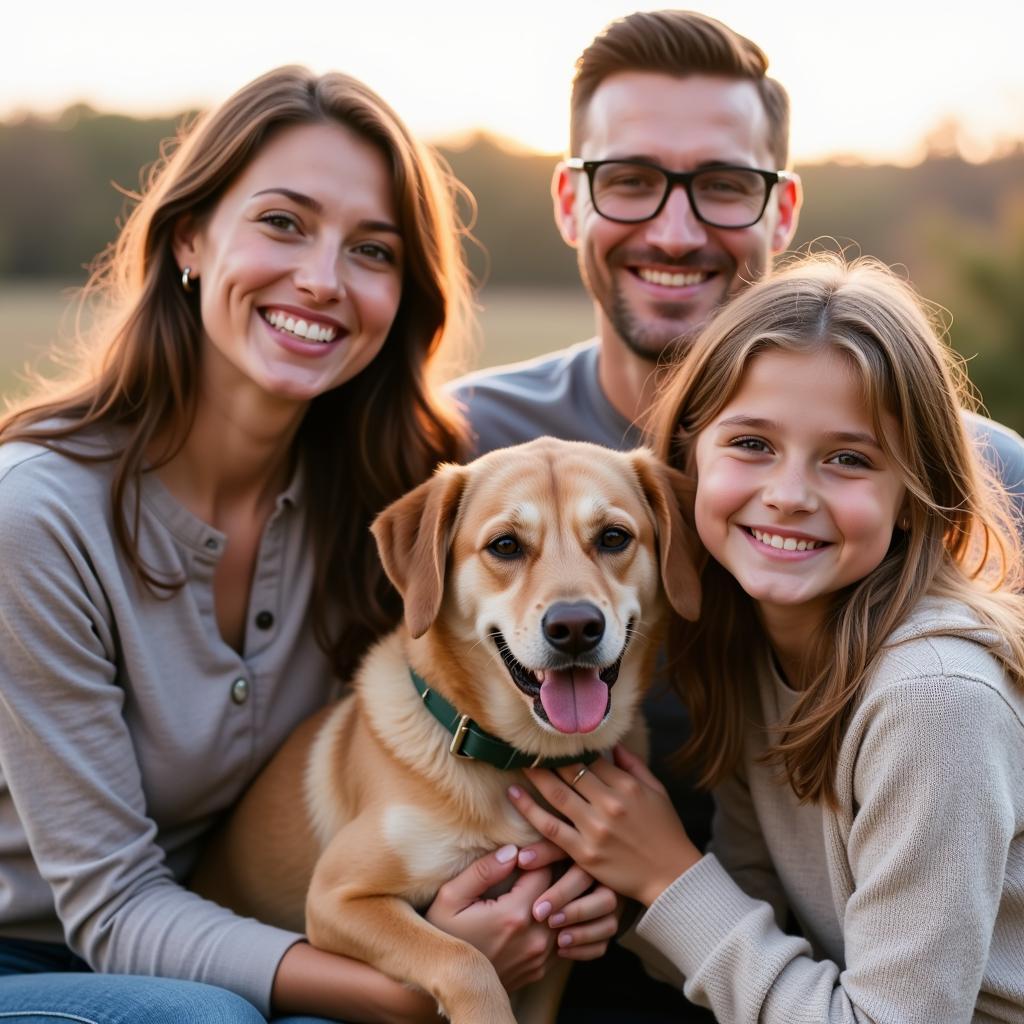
column 312, row 982
column 504, row 928
column 586, row 915
column 622, row 828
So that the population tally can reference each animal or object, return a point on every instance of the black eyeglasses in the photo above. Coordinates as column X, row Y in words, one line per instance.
column 631, row 191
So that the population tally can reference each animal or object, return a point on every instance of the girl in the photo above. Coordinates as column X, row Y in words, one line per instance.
column 185, row 567
column 856, row 680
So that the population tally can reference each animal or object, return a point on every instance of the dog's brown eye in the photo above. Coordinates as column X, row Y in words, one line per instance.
column 614, row 539
column 505, row 547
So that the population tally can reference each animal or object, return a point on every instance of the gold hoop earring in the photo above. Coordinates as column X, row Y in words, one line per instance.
column 186, row 280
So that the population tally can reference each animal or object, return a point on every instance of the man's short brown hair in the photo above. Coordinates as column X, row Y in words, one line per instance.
column 678, row 43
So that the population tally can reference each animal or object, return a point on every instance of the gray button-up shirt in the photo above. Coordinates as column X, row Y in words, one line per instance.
column 127, row 724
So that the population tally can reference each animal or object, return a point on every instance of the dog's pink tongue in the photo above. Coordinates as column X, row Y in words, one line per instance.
column 575, row 699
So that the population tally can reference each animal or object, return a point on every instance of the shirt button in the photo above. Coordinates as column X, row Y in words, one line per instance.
column 211, row 543
column 240, row 691
column 264, row 620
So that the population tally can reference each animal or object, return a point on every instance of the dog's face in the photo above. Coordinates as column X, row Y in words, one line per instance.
column 542, row 572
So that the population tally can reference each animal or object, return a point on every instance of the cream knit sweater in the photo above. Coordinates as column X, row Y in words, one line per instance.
column 910, row 894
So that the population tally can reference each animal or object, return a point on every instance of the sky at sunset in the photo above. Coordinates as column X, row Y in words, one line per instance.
column 868, row 80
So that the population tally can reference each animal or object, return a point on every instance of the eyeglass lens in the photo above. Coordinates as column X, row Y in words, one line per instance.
column 725, row 197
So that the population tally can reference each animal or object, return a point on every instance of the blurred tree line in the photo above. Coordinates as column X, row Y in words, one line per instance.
column 956, row 227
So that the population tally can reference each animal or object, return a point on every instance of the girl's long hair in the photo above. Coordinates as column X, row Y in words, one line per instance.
column 363, row 444
column 960, row 544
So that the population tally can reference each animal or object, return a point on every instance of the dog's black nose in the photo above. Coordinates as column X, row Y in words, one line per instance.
column 574, row 627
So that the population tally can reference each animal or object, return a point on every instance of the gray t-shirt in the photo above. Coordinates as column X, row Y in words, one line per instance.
column 557, row 394
column 127, row 724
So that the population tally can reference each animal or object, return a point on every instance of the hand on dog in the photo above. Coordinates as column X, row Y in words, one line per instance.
column 503, row 929
column 586, row 914
column 620, row 825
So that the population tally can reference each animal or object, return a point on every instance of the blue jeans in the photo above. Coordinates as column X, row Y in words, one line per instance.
column 44, row 982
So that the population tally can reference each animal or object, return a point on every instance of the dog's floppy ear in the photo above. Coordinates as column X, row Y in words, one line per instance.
column 670, row 495
column 413, row 535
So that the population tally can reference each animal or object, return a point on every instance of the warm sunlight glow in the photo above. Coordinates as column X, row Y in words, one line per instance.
column 869, row 81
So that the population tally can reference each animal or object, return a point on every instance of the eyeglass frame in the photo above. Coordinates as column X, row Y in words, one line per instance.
column 672, row 180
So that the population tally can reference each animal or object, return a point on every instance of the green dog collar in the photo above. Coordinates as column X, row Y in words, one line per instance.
column 471, row 742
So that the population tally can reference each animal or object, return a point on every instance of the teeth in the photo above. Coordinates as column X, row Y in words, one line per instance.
column 786, row 543
column 663, row 277
column 300, row 328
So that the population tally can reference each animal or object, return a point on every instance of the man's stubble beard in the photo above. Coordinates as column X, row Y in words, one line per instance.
column 657, row 342
column 654, row 343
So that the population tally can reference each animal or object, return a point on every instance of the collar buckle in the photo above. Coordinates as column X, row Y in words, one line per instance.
column 455, row 747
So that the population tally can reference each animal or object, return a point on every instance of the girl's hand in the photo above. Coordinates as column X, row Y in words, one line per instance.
column 585, row 915
column 504, row 928
column 622, row 828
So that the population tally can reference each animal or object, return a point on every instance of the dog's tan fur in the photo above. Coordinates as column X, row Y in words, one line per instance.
column 363, row 814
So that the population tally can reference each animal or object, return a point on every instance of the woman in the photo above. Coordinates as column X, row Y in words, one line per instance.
column 185, row 569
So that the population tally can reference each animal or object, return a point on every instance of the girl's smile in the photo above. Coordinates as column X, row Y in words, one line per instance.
column 784, row 545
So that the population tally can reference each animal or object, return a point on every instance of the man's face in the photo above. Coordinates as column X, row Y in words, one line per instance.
column 657, row 282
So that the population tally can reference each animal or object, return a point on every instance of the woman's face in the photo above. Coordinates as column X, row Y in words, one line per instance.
column 299, row 266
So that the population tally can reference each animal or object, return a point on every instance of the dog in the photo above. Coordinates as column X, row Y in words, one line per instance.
column 536, row 583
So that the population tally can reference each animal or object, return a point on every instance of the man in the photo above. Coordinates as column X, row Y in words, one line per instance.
column 680, row 91
column 675, row 198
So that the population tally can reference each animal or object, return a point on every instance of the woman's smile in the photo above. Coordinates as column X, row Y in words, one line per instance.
column 303, row 325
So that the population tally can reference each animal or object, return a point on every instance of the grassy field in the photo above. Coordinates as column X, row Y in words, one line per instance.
column 34, row 316
column 514, row 324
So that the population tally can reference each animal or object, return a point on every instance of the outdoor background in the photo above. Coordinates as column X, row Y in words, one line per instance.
column 908, row 134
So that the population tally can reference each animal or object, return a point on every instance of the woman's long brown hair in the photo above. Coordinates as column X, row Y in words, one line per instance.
column 364, row 443
column 960, row 544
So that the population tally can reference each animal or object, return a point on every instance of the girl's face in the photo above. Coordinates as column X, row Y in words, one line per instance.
column 795, row 496
column 299, row 266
